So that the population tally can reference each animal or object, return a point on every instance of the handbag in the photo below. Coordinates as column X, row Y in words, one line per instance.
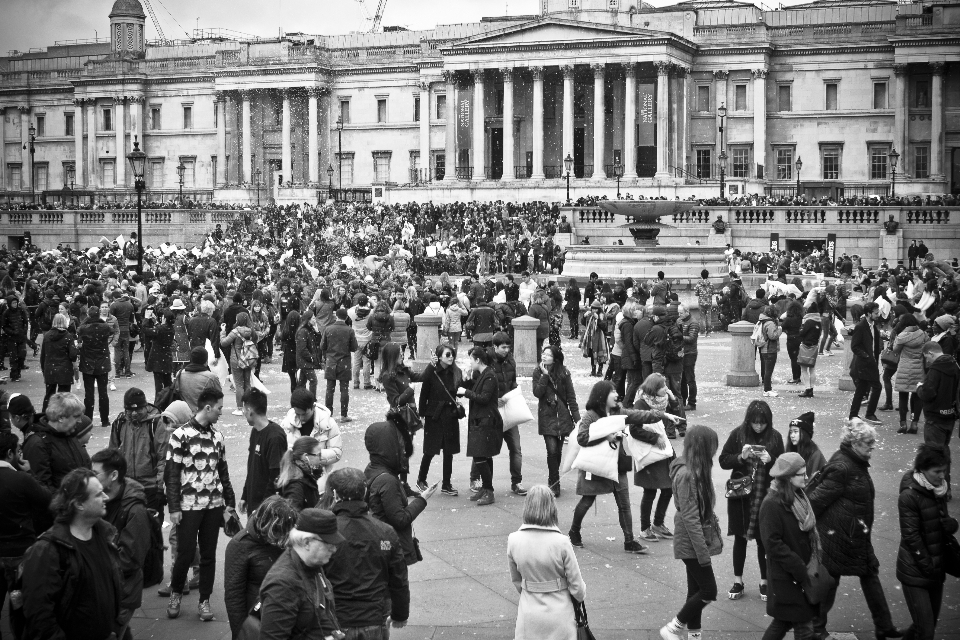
column 461, row 411
column 580, row 616
column 250, row 629
column 232, row 526
column 890, row 358
column 408, row 413
column 820, row 581
column 807, row 355
column 740, row 487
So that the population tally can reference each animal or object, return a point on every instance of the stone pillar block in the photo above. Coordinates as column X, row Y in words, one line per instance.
column 845, row 382
column 525, row 345
column 891, row 247
column 428, row 338
column 401, row 320
column 743, row 360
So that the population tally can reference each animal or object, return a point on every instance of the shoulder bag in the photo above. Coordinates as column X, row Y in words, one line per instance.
column 738, row 488
column 819, row 581
column 461, row 412
column 807, row 355
column 580, row 615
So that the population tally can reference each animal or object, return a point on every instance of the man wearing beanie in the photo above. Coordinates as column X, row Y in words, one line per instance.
column 337, row 345
column 196, row 377
column 95, row 336
column 134, row 433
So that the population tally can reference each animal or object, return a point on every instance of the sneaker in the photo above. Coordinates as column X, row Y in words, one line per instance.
column 104, row 425
column 872, row 419
column 164, row 591
column 237, row 412
column 356, row 385
column 633, row 546
column 173, row 607
column 206, row 613
column 477, row 494
column 648, row 535
column 518, row 489
column 113, row 387
column 771, row 394
column 667, row 633
column 828, row 353
column 344, row 419
column 475, row 486
column 486, row 498
column 448, row 490
column 662, row 531
column 763, row 592
column 736, row 591
column 422, row 486
column 575, row 539
column 367, row 387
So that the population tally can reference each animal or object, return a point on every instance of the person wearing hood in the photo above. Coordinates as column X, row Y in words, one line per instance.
column 751, row 313
column 809, row 337
column 358, row 315
column 300, row 469
column 925, row 532
column 386, row 495
column 945, row 332
column 58, row 352
column 160, row 359
column 95, row 336
column 196, row 377
column 250, row 555
column 127, row 513
column 800, row 440
column 14, row 323
column 234, row 341
column 51, row 447
column 908, row 345
column 939, row 392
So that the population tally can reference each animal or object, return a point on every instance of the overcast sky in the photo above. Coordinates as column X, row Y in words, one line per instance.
column 38, row 23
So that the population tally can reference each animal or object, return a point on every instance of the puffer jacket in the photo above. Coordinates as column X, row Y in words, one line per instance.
column 380, row 324
column 629, row 355
column 297, row 601
column 924, row 527
column 246, row 563
column 160, row 358
column 939, row 390
column 908, row 344
column 751, row 313
column 696, row 536
column 138, row 443
column 843, row 503
column 772, row 332
column 308, row 348
column 453, row 320
column 58, row 352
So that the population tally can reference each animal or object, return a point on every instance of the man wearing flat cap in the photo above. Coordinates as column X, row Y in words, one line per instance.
column 296, row 597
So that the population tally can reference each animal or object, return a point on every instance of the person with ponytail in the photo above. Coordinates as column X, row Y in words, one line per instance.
column 697, row 535
column 300, row 468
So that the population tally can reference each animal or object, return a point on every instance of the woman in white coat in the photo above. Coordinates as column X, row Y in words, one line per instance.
column 545, row 571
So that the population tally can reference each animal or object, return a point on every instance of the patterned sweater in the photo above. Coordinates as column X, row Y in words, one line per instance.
column 196, row 472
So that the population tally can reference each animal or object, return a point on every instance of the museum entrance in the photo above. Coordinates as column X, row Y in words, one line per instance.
column 496, row 154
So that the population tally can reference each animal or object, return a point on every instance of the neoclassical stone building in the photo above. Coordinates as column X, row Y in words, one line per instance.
column 819, row 94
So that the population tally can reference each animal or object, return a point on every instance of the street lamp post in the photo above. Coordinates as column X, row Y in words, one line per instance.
column 799, row 165
column 618, row 171
column 32, row 132
column 71, row 177
column 893, row 156
column 330, row 181
column 722, row 112
column 258, row 177
column 568, row 167
column 138, row 161
column 181, row 170
column 340, row 150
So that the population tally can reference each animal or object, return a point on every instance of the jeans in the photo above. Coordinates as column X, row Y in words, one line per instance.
column 121, row 354
column 634, row 380
column 361, row 363
column 673, row 383
column 573, row 316
column 888, row 384
column 778, row 629
column 484, row 468
column 241, row 382
column 512, row 439
column 872, row 593
column 160, row 382
column 829, row 332
column 706, row 317
column 701, row 590
column 768, row 362
column 447, row 467
column 646, row 506
column 793, row 350
column 740, row 556
column 688, row 380
column 612, row 368
column 554, row 446
column 200, row 526
column 924, row 606
column 307, row 378
column 104, row 399
column 8, row 573
column 863, row 386
column 379, row 632
column 939, row 432
column 807, row 376
column 18, row 353
column 52, row 389
column 909, row 401
column 624, row 513
column 344, row 395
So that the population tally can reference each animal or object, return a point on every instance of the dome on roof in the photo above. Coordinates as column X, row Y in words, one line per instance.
column 127, row 8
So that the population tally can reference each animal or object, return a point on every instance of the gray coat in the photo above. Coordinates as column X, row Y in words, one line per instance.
column 908, row 344
column 696, row 534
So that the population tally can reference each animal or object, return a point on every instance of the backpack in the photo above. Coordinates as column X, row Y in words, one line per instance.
column 49, row 311
column 246, row 353
column 758, row 338
column 674, row 350
column 153, row 561
column 130, row 251
column 169, row 395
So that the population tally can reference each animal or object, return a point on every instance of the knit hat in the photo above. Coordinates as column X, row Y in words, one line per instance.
column 596, row 304
column 946, row 322
column 83, row 427
column 302, row 398
column 20, row 405
column 199, row 355
column 804, row 422
column 134, row 399
column 787, row 464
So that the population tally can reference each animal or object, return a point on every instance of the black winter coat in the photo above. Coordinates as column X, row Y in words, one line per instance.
column 865, row 345
column 160, row 359
column 58, row 352
column 924, row 527
column 308, row 348
column 557, row 409
column 94, row 336
column 52, row 455
column 505, row 369
column 441, row 427
column 484, row 423
column 788, row 552
column 302, row 493
column 246, row 563
column 202, row 328
column 843, row 503
column 629, row 354
column 738, row 509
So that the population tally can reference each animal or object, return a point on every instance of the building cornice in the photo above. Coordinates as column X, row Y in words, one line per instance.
column 519, row 47
column 925, row 41
column 819, row 51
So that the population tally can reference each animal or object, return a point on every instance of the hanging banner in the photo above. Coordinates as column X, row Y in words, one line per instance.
column 647, row 118
column 465, row 117
column 774, row 242
column 832, row 247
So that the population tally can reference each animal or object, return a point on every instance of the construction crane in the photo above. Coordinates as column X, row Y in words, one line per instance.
column 377, row 18
column 156, row 23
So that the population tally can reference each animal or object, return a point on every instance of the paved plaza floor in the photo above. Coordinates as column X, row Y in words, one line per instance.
column 462, row 589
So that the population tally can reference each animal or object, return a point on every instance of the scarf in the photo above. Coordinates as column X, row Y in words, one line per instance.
column 939, row 490
column 803, row 512
column 656, row 403
column 307, row 470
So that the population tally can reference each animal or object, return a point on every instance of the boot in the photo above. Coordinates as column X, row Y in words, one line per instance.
column 593, row 371
column 887, row 407
column 808, row 393
column 903, row 427
column 913, row 426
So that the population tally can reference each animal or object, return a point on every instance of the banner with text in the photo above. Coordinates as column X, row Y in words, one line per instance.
column 465, row 117
column 832, row 247
column 646, row 119
column 774, row 242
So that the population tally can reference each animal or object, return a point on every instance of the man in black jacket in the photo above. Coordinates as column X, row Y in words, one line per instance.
column 369, row 571
column 865, row 345
column 338, row 344
column 14, row 323
column 940, row 394
column 95, row 336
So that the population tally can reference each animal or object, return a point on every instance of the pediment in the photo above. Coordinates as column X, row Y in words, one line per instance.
column 555, row 30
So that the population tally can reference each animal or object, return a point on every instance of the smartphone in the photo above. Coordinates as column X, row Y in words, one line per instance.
column 757, row 448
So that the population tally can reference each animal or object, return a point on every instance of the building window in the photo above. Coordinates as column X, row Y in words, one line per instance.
column 830, row 162
column 784, row 97
column 416, row 109
column 704, row 163
column 40, row 177
column 16, row 178
column 442, row 107
column 155, row 118
column 921, row 162
column 879, row 95
column 187, row 117
column 878, row 161
column 381, row 109
column 498, row 101
column 830, row 96
column 155, row 174
column 68, row 124
column 784, row 161
column 108, row 173
column 345, row 165
column 741, row 162
column 703, row 97
column 41, row 126
column 414, row 162
column 922, row 94
column 107, row 120
column 189, row 173
column 278, row 113
column 439, row 166
column 216, row 114
column 345, row 111
column 573, row 5
column 740, row 97
column 381, row 166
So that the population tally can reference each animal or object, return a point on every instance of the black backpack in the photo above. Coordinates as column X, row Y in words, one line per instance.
column 674, row 346
column 153, row 561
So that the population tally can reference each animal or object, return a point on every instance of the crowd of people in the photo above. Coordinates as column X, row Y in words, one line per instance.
column 325, row 549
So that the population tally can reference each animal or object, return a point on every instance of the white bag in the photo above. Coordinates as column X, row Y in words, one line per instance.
column 256, row 384
column 516, row 411
column 573, row 448
column 645, row 454
column 601, row 459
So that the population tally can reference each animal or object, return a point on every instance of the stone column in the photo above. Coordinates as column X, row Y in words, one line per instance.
column 286, row 156
column 508, row 154
column 450, row 141
column 743, row 356
column 119, row 123
column 760, row 120
column 599, row 122
column 568, row 71
column 3, row 148
column 663, row 120
column 683, row 90
column 525, row 347
column 313, row 133
column 221, row 105
column 630, row 122
column 537, row 123
column 246, row 131
column 92, row 168
column 428, row 339
column 936, row 121
column 425, row 130
column 77, row 143
column 26, row 170
column 900, row 110
column 845, row 382
column 479, row 149
column 326, row 102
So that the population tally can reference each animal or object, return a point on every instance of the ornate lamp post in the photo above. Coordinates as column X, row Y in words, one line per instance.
column 340, row 150
column 31, row 147
column 618, row 171
column 138, row 161
column 71, row 177
column 568, row 168
column 330, row 180
column 722, row 112
column 257, row 177
column 181, row 170
column 799, row 165
column 893, row 156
